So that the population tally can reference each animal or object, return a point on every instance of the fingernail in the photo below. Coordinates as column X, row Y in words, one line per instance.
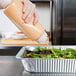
column 26, row 21
column 23, row 10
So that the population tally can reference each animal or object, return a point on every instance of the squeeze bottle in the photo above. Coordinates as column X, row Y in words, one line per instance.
column 35, row 32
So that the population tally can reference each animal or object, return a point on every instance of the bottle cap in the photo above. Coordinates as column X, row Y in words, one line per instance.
column 43, row 38
column 4, row 3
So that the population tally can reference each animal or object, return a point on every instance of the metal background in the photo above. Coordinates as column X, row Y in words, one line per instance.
column 10, row 66
column 64, row 22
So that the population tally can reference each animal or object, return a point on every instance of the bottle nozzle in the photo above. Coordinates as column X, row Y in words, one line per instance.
column 43, row 38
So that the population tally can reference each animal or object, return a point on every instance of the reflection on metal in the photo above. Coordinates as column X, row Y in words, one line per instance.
column 69, row 26
column 56, row 21
column 47, row 74
column 10, row 66
column 15, row 68
column 50, row 65
column 40, row 0
column 64, row 22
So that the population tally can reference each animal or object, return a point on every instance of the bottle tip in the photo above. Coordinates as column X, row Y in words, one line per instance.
column 43, row 38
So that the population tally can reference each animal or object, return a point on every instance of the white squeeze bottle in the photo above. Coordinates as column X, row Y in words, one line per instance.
column 34, row 32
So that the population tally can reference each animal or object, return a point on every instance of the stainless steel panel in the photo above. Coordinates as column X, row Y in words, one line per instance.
column 40, row 0
column 69, row 22
column 10, row 66
column 56, row 21
column 9, row 50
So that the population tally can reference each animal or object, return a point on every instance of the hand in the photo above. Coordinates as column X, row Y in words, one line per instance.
column 29, row 10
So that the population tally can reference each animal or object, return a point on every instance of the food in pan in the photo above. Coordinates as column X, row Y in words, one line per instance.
column 44, row 52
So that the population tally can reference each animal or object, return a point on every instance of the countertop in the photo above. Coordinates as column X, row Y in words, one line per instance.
column 10, row 66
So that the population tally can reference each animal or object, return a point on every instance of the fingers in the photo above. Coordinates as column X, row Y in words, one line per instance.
column 26, row 11
column 26, row 5
column 36, row 17
column 30, row 15
column 29, row 10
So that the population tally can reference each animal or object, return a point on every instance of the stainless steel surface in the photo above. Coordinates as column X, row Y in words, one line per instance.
column 10, row 51
column 64, row 22
column 56, row 21
column 69, row 22
column 48, row 65
column 9, row 47
column 47, row 74
column 10, row 66
column 40, row 0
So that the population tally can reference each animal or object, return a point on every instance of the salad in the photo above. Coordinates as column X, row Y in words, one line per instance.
column 44, row 52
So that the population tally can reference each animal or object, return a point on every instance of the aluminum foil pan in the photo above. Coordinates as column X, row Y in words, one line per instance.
column 48, row 65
